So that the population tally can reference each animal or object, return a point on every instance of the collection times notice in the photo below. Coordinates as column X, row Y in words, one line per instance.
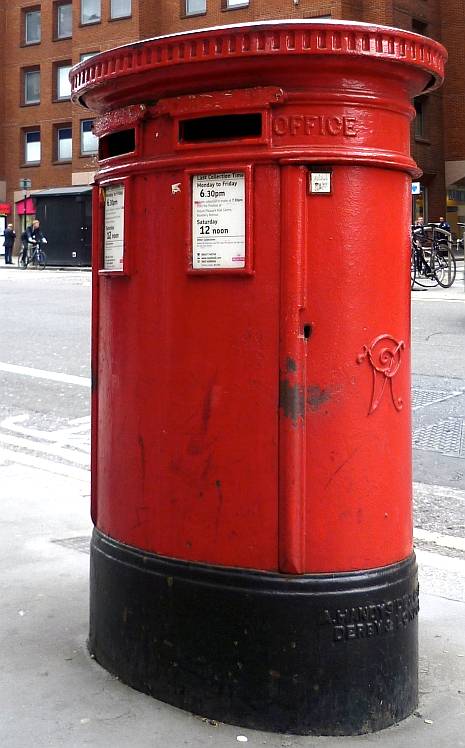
column 218, row 220
column 114, row 228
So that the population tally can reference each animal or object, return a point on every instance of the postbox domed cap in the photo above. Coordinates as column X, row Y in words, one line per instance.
column 262, row 53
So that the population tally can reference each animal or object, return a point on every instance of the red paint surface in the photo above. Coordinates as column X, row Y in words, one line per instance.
column 194, row 455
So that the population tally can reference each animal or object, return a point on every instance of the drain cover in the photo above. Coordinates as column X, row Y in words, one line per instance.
column 420, row 397
column 81, row 543
column 446, row 437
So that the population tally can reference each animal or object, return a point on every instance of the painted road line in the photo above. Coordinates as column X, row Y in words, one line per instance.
column 71, row 455
column 45, row 465
column 77, row 436
column 443, row 541
column 52, row 376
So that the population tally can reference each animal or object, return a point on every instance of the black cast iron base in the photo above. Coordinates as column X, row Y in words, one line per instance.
column 325, row 654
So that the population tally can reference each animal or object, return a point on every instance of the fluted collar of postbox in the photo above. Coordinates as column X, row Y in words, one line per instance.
column 281, row 53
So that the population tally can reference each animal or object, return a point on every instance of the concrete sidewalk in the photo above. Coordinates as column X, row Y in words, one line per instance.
column 53, row 694
column 72, row 268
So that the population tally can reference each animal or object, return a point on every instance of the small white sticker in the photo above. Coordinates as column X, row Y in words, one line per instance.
column 320, row 181
column 218, row 220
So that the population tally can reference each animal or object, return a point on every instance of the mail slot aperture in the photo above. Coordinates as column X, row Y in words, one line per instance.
column 221, row 127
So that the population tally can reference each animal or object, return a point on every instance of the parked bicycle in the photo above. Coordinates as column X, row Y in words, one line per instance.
column 34, row 256
column 432, row 260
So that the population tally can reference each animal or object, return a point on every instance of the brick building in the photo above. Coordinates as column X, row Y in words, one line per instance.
column 46, row 139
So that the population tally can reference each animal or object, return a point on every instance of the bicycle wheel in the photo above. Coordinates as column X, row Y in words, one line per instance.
column 440, row 265
column 443, row 246
column 442, row 273
column 39, row 259
column 426, row 277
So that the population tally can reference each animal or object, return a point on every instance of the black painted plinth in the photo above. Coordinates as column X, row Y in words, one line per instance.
column 315, row 654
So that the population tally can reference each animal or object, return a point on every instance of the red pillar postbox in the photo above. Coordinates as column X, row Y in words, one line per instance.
column 252, row 555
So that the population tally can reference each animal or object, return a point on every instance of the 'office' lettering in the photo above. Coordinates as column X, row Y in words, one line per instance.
column 314, row 124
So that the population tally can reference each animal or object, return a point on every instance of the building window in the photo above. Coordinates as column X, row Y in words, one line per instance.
column 419, row 27
column 64, row 143
column 120, row 9
column 419, row 118
column 230, row 4
column 32, row 26
column 91, row 11
column 89, row 141
column 63, row 20
column 31, row 90
column 32, row 147
column 87, row 56
column 195, row 7
column 62, row 82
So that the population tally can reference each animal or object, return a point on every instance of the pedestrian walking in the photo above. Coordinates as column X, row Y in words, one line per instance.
column 9, row 243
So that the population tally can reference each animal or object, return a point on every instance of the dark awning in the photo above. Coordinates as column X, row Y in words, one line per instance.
column 63, row 191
